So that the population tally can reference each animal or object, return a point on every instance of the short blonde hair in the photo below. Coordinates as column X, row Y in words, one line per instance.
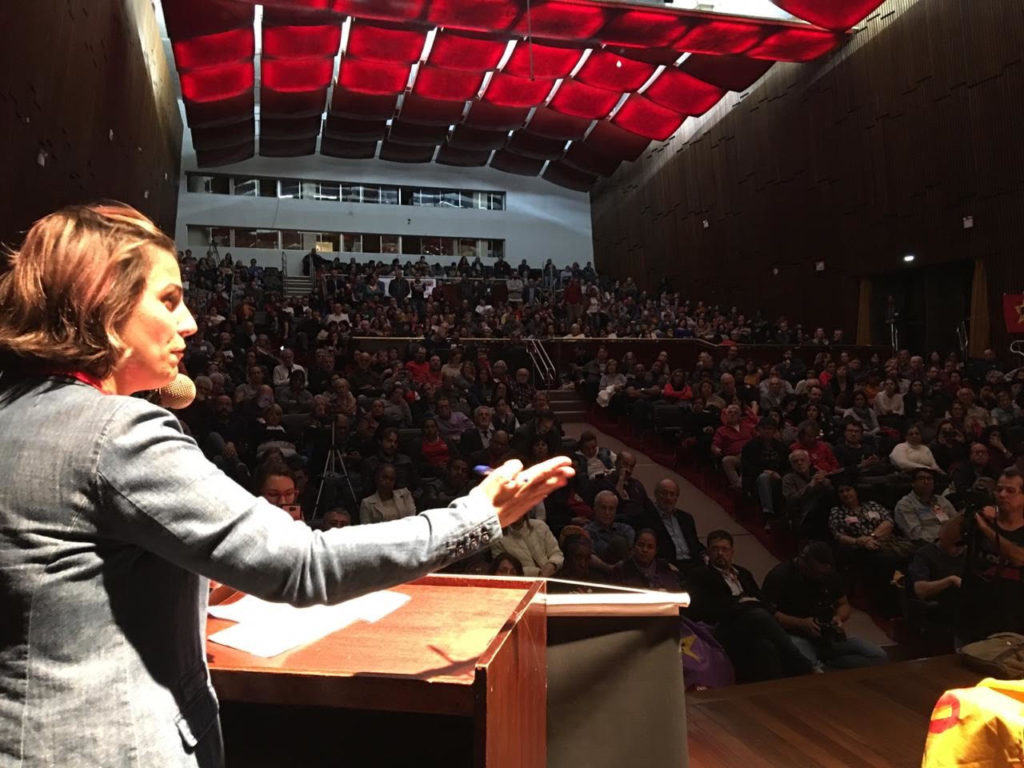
column 70, row 288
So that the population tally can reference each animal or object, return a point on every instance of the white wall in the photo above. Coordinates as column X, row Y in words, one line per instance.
column 541, row 221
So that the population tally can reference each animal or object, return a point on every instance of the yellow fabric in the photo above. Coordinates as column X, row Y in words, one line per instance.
column 981, row 727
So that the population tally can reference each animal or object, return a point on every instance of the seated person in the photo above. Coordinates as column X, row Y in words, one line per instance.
column 479, row 437
column 611, row 541
column 920, row 514
column 495, row 454
column 862, row 413
column 387, row 502
column 544, row 426
column 579, row 554
column 855, row 455
column 948, row 448
column 435, row 451
column 387, row 453
column 726, row 595
column 864, row 532
column 803, row 488
column 589, row 460
column 644, row 569
column 812, row 607
column 977, row 467
column 728, row 442
column 505, row 565
column 456, row 482
column 764, row 461
column 912, row 453
column 533, row 545
column 933, row 580
column 450, row 423
column 818, row 451
column 994, row 578
column 674, row 528
column 276, row 483
column 337, row 517
column 634, row 503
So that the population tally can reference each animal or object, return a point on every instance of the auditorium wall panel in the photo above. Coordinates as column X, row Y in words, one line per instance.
column 72, row 72
column 855, row 161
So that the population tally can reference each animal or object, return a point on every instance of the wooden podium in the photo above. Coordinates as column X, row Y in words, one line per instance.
column 455, row 677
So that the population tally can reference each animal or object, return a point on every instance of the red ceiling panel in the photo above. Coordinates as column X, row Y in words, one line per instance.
column 646, row 118
column 353, row 104
column 223, row 81
column 643, row 28
column 480, row 15
column 289, row 127
column 831, row 15
column 613, row 72
column 510, row 162
column 611, row 140
column 406, row 153
column 429, row 112
column 191, row 18
column 384, row 10
column 511, row 91
column 350, row 129
column 292, row 103
column 385, row 43
column 541, row 61
column 423, row 135
column 796, row 45
column 373, row 77
column 226, row 155
column 225, row 135
column 529, row 145
column 292, row 75
column 483, row 114
column 585, row 158
column 721, row 37
column 664, row 56
column 446, row 84
column 448, row 155
column 562, row 21
column 466, row 137
column 287, row 147
column 571, row 178
column 357, row 150
column 683, row 93
column 733, row 73
column 301, row 41
column 574, row 98
column 555, row 125
column 220, row 112
column 455, row 51
column 220, row 48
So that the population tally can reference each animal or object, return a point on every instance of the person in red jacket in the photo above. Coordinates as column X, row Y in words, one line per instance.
column 820, row 452
column 728, row 442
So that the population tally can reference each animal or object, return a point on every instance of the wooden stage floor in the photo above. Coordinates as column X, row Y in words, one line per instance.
column 874, row 717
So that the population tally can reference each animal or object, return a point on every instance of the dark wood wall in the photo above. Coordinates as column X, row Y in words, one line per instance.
column 879, row 151
column 72, row 71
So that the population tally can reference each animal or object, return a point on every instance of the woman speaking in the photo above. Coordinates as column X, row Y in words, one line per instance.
column 112, row 520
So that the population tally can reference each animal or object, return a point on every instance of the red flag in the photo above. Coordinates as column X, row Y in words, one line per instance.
column 1013, row 312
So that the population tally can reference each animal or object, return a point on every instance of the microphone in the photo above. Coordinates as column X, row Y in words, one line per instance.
column 178, row 394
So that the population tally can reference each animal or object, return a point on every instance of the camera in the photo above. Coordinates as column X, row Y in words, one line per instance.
column 830, row 633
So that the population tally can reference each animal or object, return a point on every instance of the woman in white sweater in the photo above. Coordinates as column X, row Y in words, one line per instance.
column 912, row 453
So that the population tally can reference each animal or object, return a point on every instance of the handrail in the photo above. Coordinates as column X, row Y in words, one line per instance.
column 1017, row 347
column 542, row 362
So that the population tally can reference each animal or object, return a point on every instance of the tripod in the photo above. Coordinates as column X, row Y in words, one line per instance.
column 334, row 466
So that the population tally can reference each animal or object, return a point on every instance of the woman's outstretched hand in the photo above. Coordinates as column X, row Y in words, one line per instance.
column 514, row 491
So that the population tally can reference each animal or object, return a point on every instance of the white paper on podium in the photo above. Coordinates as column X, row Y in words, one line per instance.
column 267, row 629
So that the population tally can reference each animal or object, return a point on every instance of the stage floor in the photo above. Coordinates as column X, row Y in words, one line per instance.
column 866, row 717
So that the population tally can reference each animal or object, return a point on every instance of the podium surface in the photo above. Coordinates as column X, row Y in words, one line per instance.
column 467, row 648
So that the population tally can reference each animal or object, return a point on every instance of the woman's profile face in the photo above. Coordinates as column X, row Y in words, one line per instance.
column 154, row 334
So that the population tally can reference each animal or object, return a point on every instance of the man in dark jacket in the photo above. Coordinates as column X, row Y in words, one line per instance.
column 726, row 594
column 674, row 528
column 764, row 461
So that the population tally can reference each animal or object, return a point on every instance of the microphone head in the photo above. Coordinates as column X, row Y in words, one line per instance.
column 178, row 394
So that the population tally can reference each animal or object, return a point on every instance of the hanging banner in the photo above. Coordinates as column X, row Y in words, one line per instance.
column 1013, row 312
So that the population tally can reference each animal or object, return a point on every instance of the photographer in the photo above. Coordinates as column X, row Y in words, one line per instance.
column 994, row 599
column 811, row 606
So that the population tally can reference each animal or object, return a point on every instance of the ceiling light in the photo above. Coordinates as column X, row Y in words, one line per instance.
column 909, row 258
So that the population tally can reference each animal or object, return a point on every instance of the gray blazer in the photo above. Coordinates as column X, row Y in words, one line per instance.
column 111, row 522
